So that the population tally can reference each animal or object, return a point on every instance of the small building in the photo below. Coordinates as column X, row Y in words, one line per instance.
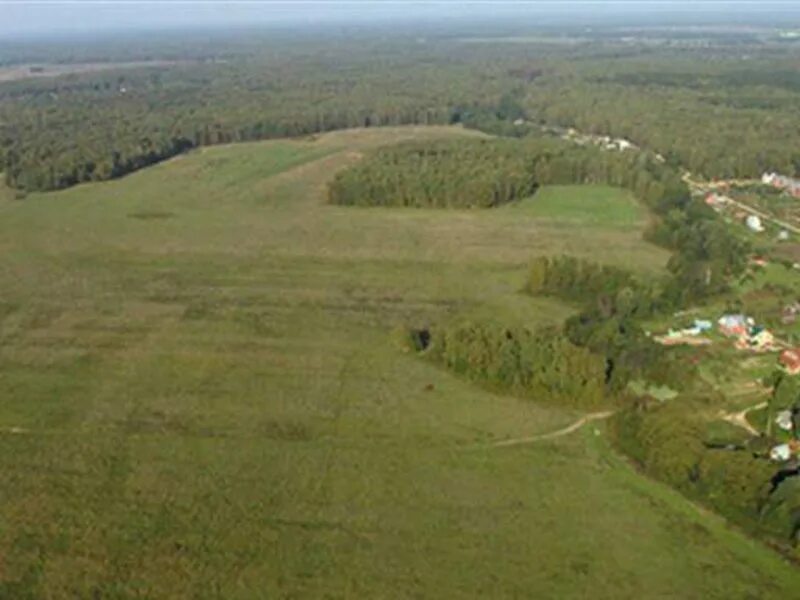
column 754, row 224
column 624, row 144
column 762, row 341
column 784, row 420
column 733, row 325
column 789, row 313
column 782, row 182
column 781, row 453
column 703, row 325
column 783, row 235
column 756, row 340
column 717, row 201
column 790, row 360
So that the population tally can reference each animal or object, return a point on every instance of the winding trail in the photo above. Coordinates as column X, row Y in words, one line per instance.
column 598, row 416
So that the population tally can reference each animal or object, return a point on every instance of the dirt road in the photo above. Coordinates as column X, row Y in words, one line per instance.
column 740, row 418
column 558, row 433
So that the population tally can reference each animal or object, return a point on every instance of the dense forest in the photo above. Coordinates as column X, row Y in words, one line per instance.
column 726, row 118
column 55, row 132
column 723, row 109
column 446, row 174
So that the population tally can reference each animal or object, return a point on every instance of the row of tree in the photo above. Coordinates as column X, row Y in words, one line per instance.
column 542, row 365
column 715, row 117
column 444, row 174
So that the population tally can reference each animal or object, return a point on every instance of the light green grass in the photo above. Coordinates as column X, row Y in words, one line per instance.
column 203, row 400
column 581, row 205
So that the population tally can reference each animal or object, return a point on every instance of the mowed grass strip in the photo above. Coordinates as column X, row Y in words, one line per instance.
column 582, row 205
column 209, row 404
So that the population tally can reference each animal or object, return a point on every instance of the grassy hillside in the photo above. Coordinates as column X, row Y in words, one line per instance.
column 201, row 399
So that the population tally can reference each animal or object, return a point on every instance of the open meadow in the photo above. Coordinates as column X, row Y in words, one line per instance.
column 200, row 397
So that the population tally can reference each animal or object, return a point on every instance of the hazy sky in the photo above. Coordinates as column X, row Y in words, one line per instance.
column 46, row 17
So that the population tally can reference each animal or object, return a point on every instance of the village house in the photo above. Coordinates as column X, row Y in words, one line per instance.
column 703, row 325
column 733, row 325
column 784, row 420
column 718, row 202
column 756, row 339
column 754, row 224
column 790, row 361
column 789, row 184
column 783, row 452
column 790, row 313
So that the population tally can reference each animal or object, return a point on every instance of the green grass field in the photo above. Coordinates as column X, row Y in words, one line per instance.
column 201, row 399
column 580, row 205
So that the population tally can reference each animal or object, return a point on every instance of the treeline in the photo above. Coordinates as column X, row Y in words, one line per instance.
column 612, row 304
column 490, row 172
column 542, row 365
column 463, row 174
column 717, row 118
column 92, row 126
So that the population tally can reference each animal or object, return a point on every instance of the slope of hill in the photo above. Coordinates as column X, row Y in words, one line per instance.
column 199, row 386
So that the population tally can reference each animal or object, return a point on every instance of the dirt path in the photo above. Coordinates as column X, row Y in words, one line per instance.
column 740, row 418
column 598, row 416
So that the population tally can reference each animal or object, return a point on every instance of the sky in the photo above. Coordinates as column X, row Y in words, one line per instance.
column 42, row 18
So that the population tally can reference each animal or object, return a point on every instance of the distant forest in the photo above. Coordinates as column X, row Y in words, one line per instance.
column 725, row 109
